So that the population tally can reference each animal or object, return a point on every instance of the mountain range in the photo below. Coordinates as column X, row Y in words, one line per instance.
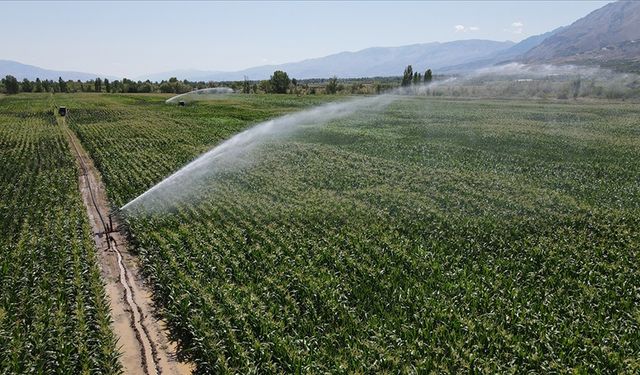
column 21, row 71
column 506, row 55
column 370, row 62
column 608, row 37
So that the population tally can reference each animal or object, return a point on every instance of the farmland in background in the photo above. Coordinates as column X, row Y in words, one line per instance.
column 54, row 316
column 160, row 138
column 436, row 235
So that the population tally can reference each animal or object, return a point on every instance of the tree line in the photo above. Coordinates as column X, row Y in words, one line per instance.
column 10, row 85
column 279, row 83
column 409, row 77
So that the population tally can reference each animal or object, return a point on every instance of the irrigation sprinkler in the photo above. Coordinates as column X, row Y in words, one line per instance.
column 108, row 240
column 62, row 111
column 201, row 94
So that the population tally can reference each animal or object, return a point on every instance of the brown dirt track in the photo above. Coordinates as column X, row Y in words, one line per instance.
column 142, row 337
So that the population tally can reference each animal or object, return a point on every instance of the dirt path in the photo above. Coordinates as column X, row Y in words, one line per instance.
column 142, row 338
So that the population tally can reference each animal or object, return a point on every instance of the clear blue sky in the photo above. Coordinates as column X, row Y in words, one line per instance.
column 131, row 39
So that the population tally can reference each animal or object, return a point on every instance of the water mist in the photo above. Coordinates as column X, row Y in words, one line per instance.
column 237, row 149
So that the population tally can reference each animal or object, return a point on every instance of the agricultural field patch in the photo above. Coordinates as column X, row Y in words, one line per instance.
column 159, row 137
column 53, row 309
column 436, row 235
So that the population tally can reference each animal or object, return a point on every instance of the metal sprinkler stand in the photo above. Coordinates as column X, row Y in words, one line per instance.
column 108, row 231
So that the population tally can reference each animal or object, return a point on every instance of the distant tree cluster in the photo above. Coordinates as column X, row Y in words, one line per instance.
column 428, row 76
column 572, row 87
column 279, row 82
column 10, row 85
column 409, row 77
column 332, row 86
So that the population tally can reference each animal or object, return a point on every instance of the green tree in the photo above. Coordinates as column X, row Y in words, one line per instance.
column 116, row 86
column 407, row 77
column 63, row 85
column 27, row 86
column 427, row 76
column 130, row 86
column 575, row 87
column 332, row 86
column 38, row 85
column 182, row 87
column 11, row 85
column 246, row 85
column 47, row 85
column 145, row 87
column 265, row 86
column 98, row 85
column 107, row 85
column 165, row 87
column 416, row 78
column 279, row 82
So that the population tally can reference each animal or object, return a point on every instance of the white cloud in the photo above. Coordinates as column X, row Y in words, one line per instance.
column 464, row 29
column 264, row 60
column 516, row 27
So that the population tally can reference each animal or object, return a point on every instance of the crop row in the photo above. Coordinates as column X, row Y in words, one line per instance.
column 54, row 316
column 437, row 235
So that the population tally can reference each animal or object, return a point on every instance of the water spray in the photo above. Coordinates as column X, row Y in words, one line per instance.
column 201, row 94
column 181, row 183
column 231, row 152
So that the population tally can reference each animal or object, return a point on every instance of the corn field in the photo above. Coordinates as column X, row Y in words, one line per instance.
column 54, row 317
column 436, row 236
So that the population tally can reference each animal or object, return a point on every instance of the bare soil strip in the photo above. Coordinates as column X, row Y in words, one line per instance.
column 142, row 338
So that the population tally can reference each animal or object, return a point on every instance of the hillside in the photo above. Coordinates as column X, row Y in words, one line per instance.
column 370, row 62
column 21, row 71
column 502, row 56
column 609, row 36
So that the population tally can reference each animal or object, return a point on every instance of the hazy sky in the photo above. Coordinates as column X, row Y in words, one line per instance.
column 131, row 39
